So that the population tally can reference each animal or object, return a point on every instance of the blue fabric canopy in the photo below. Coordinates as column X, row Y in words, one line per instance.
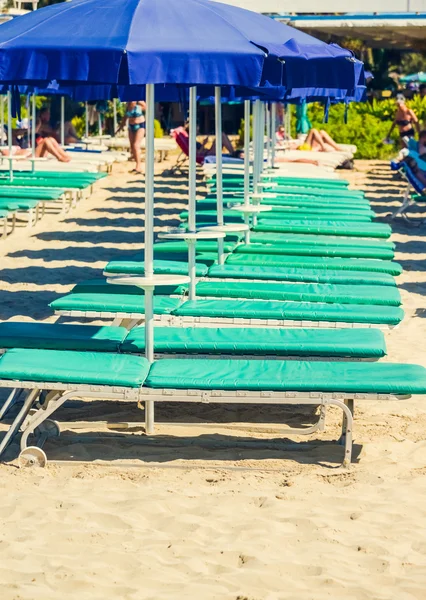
column 189, row 42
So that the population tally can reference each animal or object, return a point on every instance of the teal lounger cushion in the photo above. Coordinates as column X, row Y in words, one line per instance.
column 301, row 292
column 235, row 216
column 126, row 303
column 210, row 202
column 273, row 273
column 181, row 247
column 134, row 266
column 4, row 213
column 316, row 262
column 327, row 227
column 281, row 376
column 308, row 250
column 98, row 368
column 33, row 194
column 349, row 343
column 276, row 217
column 318, row 240
column 328, row 211
column 291, row 311
column 54, row 336
column 100, row 286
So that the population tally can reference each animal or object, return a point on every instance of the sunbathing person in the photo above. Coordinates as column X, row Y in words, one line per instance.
column 204, row 149
column 46, row 139
column 319, row 141
column 412, row 162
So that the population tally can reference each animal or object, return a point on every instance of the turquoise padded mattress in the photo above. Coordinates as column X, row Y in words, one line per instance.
column 57, row 336
column 316, row 262
column 301, row 292
column 210, row 203
column 281, row 376
column 273, row 273
column 349, row 343
column 339, row 343
column 327, row 227
column 134, row 266
column 126, row 303
column 234, row 216
column 181, row 247
column 262, row 375
column 308, row 250
column 100, row 286
column 292, row 311
column 33, row 194
column 318, row 240
column 99, row 368
column 312, row 215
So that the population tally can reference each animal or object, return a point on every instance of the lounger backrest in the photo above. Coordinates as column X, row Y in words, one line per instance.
column 182, row 140
column 412, row 179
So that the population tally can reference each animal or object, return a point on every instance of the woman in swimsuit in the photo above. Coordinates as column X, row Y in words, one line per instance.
column 135, row 119
column 405, row 119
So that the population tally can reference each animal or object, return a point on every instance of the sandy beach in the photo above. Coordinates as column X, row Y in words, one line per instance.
column 202, row 511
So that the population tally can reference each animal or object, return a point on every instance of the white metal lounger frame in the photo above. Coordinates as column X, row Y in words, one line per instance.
column 130, row 320
column 34, row 416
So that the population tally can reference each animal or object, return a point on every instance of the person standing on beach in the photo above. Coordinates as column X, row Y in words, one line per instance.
column 135, row 117
column 405, row 119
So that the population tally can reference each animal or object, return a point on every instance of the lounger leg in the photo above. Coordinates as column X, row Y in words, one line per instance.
column 149, row 417
column 19, row 419
column 4, row 228
column 407, row 201
column 12, row 399
column 347, row 427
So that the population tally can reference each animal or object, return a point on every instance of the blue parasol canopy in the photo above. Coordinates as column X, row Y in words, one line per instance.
column 140, row 42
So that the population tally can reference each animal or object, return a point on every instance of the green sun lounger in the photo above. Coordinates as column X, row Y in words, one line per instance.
column 336, row 343
column 210, row 202
column 308, row 250
column 232, row 180
column 289, row 273
column 316, row 262
column 55, row 175
column 326, row 227
column 132, row 378
column 253, row 313
column 252, row 272
column 112, row 305
column 301, row 292
column 319, row 240
column 65, row 182
column 274, row 218
column 33, row 194
column 135, row 266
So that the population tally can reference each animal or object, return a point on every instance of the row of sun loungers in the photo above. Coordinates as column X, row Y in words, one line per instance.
column 294, row 317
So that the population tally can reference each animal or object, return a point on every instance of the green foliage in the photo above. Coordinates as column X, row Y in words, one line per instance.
column 240, row 141
column 158, row 131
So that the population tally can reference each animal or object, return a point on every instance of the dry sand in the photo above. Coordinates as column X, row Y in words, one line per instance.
column 210, row 515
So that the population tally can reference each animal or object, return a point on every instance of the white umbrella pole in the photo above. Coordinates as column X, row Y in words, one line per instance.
column 114, row 108
column 62, row 121
column 273, row 132
column 149, row 242
column 87, row 121
column 192, row 188
column 100, row 124
column 247, row 164
column 268, row 133
column 9, row 133
column 258, row 143
column 219, row 176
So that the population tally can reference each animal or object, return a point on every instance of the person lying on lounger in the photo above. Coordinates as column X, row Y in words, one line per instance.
column 319, row 141
column 206, row 149
column 411, row 161
column 44, row 146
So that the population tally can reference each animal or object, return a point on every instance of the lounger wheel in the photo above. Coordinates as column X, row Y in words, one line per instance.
column 33, row 456
column 48, row 429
